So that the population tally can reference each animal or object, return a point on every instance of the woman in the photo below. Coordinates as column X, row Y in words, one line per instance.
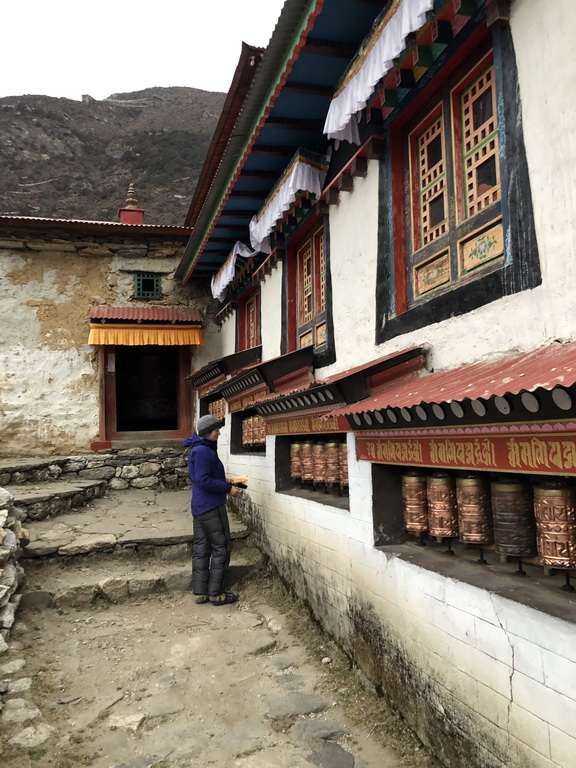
column 212, row 543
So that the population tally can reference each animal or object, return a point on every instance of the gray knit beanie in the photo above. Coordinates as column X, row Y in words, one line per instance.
column 207, row 424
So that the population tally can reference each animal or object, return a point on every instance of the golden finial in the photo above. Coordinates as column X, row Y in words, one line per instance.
column 131, row 201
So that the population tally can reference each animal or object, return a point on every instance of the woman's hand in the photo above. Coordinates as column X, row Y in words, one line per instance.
column 234, row 491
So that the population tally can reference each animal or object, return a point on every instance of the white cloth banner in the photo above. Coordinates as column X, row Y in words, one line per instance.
column 303, row 177
column 340, row 120
column 227, row 271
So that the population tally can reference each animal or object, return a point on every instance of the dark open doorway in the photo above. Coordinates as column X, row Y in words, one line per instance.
column 146, row 388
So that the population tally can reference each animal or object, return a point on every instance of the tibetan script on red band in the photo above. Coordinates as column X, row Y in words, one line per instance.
column 546, row 454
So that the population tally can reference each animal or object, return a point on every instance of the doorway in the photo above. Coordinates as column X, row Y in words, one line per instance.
column 146, row 392
column 146, row 388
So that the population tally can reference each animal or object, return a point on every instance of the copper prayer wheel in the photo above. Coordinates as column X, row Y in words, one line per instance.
column 245, row 432
column 307, row 461
column 343, row 464
column 415, row 503
column 260, row 430
column 514, row 524
column 442, row 509
column 296, row 461
column 474, row 510
column 332, row 463
column 554, row 509
column 319, row 462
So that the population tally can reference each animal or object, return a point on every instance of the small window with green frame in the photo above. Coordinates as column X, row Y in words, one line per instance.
column 147, row 285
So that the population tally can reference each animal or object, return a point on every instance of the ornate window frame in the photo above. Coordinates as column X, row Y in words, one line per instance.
column 483, row 256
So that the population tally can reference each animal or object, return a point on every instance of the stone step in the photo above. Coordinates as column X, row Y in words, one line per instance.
column 30, row 470
column 111, row 579
column 132, row 521
column 55, row 498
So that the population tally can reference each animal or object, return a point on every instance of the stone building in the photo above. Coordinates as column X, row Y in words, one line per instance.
column 97, row 338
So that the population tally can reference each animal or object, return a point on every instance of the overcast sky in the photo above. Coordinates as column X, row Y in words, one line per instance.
column 68, row 48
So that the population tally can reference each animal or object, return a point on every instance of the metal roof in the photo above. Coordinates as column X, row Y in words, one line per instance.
column 38, row 222
column 284, row 109
column 169, row 314
column 544, row 368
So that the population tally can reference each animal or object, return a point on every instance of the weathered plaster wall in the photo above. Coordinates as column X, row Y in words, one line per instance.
column 48, row 374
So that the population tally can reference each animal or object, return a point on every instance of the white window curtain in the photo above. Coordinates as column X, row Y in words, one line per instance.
column 302, row 175
column 227, row 271
column 387, row 43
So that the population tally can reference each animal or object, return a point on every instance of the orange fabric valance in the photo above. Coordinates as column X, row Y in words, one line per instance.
column 140, row 326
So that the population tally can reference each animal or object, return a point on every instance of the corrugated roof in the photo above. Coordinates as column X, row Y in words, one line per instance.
column 39, row 222
column 546, row 367
column 147, row 313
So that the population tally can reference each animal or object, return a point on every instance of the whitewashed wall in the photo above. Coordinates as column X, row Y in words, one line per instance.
column 543, row 40
column 271, row 299
column 504, row 673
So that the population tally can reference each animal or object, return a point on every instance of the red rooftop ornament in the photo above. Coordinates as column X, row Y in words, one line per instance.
column 131, row 214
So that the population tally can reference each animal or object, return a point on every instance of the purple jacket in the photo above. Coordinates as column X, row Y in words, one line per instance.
column 209, row 486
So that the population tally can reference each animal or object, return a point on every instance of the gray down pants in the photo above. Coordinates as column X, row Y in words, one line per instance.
column 210, row 551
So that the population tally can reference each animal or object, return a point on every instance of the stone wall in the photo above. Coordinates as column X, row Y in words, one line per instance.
column 12, row 538
column 161, row 468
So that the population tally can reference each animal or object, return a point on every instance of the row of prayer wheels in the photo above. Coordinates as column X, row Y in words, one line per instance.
column 217, row 408
column 519, row 520
column 253, row 431
column 321, row 464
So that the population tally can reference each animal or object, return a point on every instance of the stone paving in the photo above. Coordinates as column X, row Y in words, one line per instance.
column 111, row 664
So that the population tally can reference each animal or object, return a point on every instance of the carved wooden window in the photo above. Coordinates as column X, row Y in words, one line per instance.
column 249, row 321
column 311, row 291
column 449, row 170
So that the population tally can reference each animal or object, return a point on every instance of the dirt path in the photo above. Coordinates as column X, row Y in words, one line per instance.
column 164, row 682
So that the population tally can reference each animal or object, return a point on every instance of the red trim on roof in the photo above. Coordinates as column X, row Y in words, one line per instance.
column 545, row 368
column 147, row 313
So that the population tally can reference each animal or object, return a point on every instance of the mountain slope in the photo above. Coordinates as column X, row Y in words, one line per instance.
column 74, row 159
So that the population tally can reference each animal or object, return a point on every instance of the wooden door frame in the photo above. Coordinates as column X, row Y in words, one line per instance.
column 107, row 425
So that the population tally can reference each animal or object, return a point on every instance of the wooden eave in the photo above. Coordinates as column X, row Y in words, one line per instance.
column 250, row 58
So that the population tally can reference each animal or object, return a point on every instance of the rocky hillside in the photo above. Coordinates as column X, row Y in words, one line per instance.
column 74, row 159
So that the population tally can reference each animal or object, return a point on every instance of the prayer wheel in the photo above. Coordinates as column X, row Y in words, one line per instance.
column 261, row 431
column 307, row 462
column 474, row 510
column 319, row 463
column 296, row 461
column 442, row 509
column 332, row 464
column 554, row 509
column 343, row 465
column 245, row 432
column 514, row 524
column 415, row 503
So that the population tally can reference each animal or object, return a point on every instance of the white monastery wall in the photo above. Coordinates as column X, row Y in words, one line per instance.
column 271, row 312
column 543, row 40
column 499, row 671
